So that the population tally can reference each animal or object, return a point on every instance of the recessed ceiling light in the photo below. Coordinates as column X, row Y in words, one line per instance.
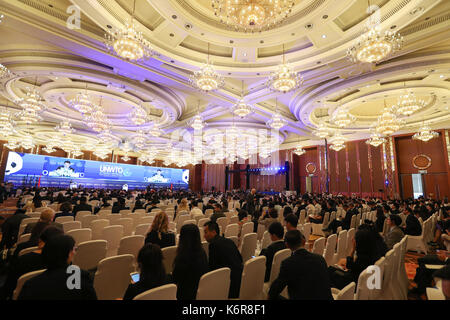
column 393, row 27
column 231, row 41
column 245, row 54
column 172, row 35
column 324, row 36
column 174, row 16
column 262, row 41
column 442, row 76
column 324, row 16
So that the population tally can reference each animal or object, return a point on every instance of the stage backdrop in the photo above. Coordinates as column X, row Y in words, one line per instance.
column 32, row 169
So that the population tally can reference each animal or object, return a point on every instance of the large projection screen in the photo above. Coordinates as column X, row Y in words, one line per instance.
column 25, row 169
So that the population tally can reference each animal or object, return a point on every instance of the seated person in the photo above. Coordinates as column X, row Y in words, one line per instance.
column 394, row 234
column 66, row 211
column 276, row 232
column 83, row 206
column 304, row 273
column 424, row 276
column 218, row 213
column 291, row 222
column 413, row 227
column 57, row 255
column 268, row 217
column 152, row 271
column 159, row 232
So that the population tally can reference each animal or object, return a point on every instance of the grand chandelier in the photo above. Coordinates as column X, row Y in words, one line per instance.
column 242, row 109
column 284, row 79
column 50, row 147
column 138, row 116
column 276, row 122
column 6, row 122
column 408, row 103
column 155, row 131
column 337, row 142
column 252, row 15
column 27, row 142
column 388, row 123
column 4, row 72
column 127, row 42
column 32, row 105
column 140, row 140
column 101, row 150
column 299, row 151
column 207, row 79
column 65, row 128
column 82, row 103
column 197, row 122
column 13, row 143
column 374, row 46
column 77, row 151
column 425, row 134
column 97, row 120
column 343, row 118
column 322, row 131
column 126, row 147
column 376, row 140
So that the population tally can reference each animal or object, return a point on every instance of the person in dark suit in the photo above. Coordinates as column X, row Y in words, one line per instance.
column 10, row 229
column 223, row 253
column 424, row 276
column 190, row 263
column 159, row 232
column 66, row 211
column 304, row 273
column 413, row 227
column 276, row 232
column 251, row 202
column 83, row 206
column 218, row 213
column 57, row 255
column 119, row 205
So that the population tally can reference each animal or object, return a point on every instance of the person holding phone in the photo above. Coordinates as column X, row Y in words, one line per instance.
column 152, row 272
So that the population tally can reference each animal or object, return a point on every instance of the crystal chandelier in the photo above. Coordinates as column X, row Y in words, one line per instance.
column 207, row 79
column 252, row 15
column 65, row 128
column 408, row 103
column 126, row 147
column 77, row 152
column 128, row 43
column 140, row 140
column 6, row 123
column 338, row 142
column 284, row 79
column 276, row 122
column 299, row 151
column 98, row 121
column 425, row 134
column 82, row 103
column 322, row 131
column 138, row 116
column 343, row 118
column 101, row 151
column 107, row 136
column 155, row 131
column 27, row 142
column 32, row 105
column 4, row 72
column 49, row 148
column 374, row 46
column 376, row 140
column 388, row 123
column 197, row 122
column 13, row 143
column 242, row 109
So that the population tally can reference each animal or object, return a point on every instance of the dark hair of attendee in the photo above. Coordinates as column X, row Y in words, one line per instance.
column 276, row 229
column 242, row 214
column 366, row 245
column 37, row 203
column 83, row 200
column 395, row 219
column 150, row 260
column 292, row 220
column 212, row 226
column 380, row 213
column 19, row 211
column 56, row 251
column 189, row 245
column 287, row 211
column 273, row 213
column 50, row 232
column 294, row 238
column 66, row 207
column 37, row 230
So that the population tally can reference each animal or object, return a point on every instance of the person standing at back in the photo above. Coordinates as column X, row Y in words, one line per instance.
column 223, row 253
column 305, row 274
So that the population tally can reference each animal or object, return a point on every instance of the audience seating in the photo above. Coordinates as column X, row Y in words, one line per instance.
column 248, row 246
column 67, row 226
column 252, row 282
column 27, row 250
column 350, row 236
column 166, row 292
column 131, row 245
column 112, row 234
column 80, row 235
column 232, row 230
column 275, row 270
column 329, row 251
column 214, row 285
column 97, row 227
column 418, row 243
column 319, row 246
column 235, row 240
column 80, row 214
column 347, row 293
column 25, row 222
column 24, row 238
column 64, row 219
column 24, row 278
column 89, row 254
column 113, row 276
column 169, row 254
column 127, row 224
column 86, row 220
column 266, row 240
column 142, row 229
column 341, row 246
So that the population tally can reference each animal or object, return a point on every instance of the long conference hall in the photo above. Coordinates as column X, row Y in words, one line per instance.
column 224, row 150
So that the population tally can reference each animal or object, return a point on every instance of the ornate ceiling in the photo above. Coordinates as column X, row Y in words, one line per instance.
column 38, row 47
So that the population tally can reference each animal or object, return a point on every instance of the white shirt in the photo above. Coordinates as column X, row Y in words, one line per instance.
column 195, row 212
